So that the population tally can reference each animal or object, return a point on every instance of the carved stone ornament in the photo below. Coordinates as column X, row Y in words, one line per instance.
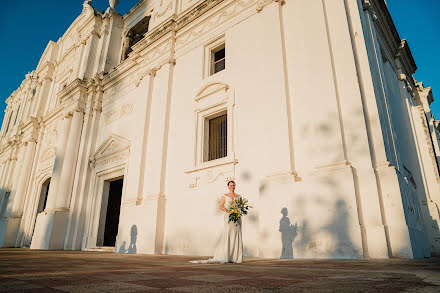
column 368, row 6
column 112, row 152
column 210, row 89
column 113, row 3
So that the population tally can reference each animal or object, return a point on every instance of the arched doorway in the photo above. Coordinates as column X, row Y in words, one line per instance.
column 40, row 208
column 43, row 196
column 110, row 211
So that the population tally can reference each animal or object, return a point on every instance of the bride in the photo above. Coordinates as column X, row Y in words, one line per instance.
column 230, row 247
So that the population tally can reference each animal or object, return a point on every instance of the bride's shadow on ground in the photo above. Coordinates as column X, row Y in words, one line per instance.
column 288, row 235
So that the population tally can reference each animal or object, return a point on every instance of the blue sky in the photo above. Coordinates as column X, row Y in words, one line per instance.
column 26, row 26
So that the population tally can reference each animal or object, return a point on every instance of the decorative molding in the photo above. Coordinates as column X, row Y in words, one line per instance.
column 140, row 75
column 197, row 11
column 210, row 89
column 368, row 6
column 97, row 106
column 113, row 151
column 118, row 113
column 165, row 7
column 262, row 4
column 214, row 21
column 428, row 139
column 47, row 154
column 215, row 170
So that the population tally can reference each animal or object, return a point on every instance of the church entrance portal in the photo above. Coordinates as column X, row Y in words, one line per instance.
column 43, row 196
column 110, row 209
column 40, row 208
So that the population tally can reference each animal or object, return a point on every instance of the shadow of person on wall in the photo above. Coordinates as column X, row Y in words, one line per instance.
column 122, row 248
column 133, row 237
column 288, row 234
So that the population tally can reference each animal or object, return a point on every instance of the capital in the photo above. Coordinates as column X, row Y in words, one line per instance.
column 68, row 114
column 78, row 109
column 368, row 6
column 97, row 107
column 113, row 3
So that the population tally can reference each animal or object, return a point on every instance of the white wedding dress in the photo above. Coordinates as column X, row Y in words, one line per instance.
column 230, row 246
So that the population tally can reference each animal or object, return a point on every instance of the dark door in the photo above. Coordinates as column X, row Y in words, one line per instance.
column 113, row 209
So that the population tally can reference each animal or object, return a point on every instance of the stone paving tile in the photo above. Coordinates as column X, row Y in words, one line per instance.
column 40, row 290
column 212, row 278
column 168, row 282
column 106, row 287
column 76, row 271
column 67, row 280
column 180, row 274
column 17, row 285
column 220, row 289
column 39, row 276
column 267, row 283
column 129, row 277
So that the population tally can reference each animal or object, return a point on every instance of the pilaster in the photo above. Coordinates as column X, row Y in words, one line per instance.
column 83, row 173
column 68, row 168
column 58, row 164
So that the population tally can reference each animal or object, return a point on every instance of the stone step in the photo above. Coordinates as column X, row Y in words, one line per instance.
column 102, row 249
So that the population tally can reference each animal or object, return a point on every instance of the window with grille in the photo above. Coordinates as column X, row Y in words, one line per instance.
column 217, row 138
column 218, row 59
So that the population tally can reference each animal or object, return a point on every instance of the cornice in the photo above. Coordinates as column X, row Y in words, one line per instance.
column 406, row 58
column 153, row 36
column 48, row 66
column 134, row 9
column 74, row 96
column 137, row 60
column 46, row 119
column 76, row 86
column 384, row 24
column 196, row 12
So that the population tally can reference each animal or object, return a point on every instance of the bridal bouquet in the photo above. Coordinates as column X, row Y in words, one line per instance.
column 237, row 208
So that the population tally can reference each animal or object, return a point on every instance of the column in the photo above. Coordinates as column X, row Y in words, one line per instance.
column 9, row 224
column 15, row 177
column 2, row 180
column 51, row 226
column 23, row 180
column 37, row 107
column 56, row 173
column 81, row 58
column 5, row 181
column 5, row 121
column 22, row 109
column 68, row 170
column 2, row 172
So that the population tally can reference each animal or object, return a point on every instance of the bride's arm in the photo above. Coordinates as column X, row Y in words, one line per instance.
column 222, row 203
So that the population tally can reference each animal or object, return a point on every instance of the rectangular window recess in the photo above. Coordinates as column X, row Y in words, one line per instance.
column 217, row 138
column 218, row 59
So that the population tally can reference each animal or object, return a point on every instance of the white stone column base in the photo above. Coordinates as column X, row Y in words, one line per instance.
column 400, row 241
column 50, row 230
column 138, row 235
column 376, row 241
column 9, row 231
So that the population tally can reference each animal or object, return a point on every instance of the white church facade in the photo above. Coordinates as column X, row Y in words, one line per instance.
column 125, row 135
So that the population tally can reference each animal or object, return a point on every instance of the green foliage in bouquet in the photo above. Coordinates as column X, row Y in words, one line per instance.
column 237, row 208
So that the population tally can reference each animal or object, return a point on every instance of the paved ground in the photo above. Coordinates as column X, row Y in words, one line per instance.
column 24, row 270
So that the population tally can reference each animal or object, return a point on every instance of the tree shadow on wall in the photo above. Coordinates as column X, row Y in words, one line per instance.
column 133, row 238
column 288, row 235
column 339, row 228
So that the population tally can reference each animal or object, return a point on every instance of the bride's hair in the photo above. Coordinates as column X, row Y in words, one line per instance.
column 230, row 182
